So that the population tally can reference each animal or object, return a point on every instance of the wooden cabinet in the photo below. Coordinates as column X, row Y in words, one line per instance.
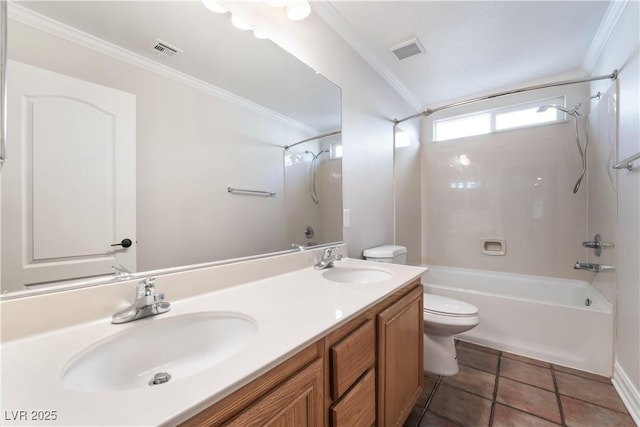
column 400, row 377
column 351, row 357
column 351, row 373
column 295, row 388
column 366, row 372
column 295, row 403
column 358, row 407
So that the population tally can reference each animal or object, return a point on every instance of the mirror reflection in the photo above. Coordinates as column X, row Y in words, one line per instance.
column 129, row 123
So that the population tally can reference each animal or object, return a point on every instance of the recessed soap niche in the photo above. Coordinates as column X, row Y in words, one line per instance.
column 495, row 247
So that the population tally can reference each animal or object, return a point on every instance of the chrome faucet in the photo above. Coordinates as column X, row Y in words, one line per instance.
column 147, row 303
column 589, row 266
column 329, row 255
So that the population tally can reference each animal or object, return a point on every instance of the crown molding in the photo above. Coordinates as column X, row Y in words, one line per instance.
column 66, row 32
column 600, row 39
column 331, row 16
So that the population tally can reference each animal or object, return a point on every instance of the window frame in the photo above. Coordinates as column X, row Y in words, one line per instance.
column 559, row 100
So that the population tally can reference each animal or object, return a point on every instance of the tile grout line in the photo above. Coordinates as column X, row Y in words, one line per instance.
column 423, row 412
column 557, row 392
column 495, row 390
column 625, row 412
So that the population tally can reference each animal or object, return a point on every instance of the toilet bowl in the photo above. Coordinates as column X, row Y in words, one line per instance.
column 443, row 318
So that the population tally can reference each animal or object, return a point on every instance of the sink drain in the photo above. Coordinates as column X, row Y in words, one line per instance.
column 160, row 378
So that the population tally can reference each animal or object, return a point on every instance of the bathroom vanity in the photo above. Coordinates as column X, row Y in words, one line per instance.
column 335, row 381
column 334, row 347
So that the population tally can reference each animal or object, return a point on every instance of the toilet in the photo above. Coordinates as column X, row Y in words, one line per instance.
column 443, row 317
column 387, row 253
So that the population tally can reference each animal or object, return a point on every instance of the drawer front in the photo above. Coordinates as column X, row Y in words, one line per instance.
column 351, row 357
column 358, row 407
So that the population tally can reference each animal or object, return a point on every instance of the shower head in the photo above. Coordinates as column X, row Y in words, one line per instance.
column 573, row 112
column 546, row 107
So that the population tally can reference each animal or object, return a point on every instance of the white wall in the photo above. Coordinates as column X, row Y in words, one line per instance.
column 368, row 106
column 622, row 52
column 408, row 194
column 518, row 187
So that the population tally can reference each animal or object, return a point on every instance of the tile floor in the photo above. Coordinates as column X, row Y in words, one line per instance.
column 495, row 388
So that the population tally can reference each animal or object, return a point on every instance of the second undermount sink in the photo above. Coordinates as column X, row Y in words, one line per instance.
column 355, row 275
column 158, row 351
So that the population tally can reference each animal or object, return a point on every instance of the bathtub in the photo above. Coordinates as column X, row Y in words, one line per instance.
column 566, row 322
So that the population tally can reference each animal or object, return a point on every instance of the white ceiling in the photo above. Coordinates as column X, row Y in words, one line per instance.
column 472, row 47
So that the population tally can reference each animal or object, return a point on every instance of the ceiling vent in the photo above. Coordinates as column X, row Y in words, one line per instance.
column 407, row 49
column 164, row 49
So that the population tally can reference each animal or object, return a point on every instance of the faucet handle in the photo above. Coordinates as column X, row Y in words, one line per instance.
column 146, row 287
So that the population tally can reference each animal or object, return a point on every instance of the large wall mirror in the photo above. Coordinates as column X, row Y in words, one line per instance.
column 145, row 136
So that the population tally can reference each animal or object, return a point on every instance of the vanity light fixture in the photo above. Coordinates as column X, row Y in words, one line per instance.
column 239, row 23
column 214, row 6
column 277, row 3
column 298, row 9
column 259, row 34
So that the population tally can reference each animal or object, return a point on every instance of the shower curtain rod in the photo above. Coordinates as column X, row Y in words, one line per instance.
column 324, row 135
column 429, row 111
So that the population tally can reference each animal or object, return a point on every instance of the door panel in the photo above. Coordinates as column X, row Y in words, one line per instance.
column 69, row 186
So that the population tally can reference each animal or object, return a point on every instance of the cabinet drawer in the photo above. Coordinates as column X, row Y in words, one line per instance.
column 358, row 407
column 351, row 357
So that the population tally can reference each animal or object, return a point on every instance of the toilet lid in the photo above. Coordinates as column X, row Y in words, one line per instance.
column 448, row 306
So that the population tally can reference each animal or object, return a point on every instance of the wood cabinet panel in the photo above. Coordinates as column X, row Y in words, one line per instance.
column 400, row 329
column 237, row 401
column 295, row 403
column 351, row 357
column 358, row 407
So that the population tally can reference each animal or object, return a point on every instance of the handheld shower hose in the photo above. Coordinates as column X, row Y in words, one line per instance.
column 582, row 151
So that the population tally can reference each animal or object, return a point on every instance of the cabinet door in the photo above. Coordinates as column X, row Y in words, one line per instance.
column 298, row 402
column 400, row 329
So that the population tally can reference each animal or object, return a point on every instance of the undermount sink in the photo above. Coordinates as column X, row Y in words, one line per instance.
column 355, row 275
column 159, row 350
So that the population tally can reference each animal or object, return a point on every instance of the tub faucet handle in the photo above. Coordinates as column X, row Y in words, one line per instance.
column 597, row 244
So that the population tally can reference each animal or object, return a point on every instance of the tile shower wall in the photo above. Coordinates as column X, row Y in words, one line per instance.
column 516, row 186
column 302, row 212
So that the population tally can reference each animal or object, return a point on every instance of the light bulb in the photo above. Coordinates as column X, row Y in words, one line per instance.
column 298, row 9
column 277, row 3
column 214, row 6
column 239, row 23
column 259, row 34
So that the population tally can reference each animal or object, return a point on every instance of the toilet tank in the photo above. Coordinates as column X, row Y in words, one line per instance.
column 387, row 253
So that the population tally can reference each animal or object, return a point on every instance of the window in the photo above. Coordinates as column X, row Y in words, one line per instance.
column 499, row 119
column 336, row 150
column 403, row 139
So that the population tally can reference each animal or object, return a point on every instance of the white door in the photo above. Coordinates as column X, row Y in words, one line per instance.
column 68, row 186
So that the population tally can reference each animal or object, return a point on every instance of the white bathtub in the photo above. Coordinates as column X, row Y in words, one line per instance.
column 540, row 317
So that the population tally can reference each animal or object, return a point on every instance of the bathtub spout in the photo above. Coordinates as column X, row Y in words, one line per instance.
column 589, row 266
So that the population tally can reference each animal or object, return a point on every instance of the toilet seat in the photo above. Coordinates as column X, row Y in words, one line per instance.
column 444, row 306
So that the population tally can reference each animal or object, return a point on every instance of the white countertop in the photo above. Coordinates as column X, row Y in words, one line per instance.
column 292, row 311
